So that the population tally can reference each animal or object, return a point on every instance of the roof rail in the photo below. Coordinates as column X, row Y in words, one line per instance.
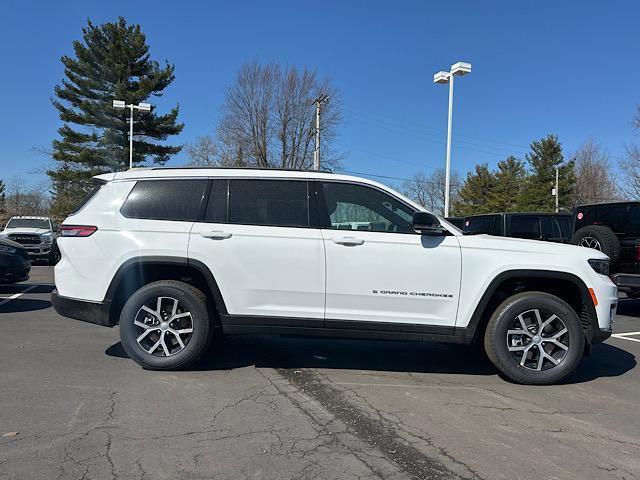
column 322, row 170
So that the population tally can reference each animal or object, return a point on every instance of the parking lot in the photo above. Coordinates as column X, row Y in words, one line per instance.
column 73, row 406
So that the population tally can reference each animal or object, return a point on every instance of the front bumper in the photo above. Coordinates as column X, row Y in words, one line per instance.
column 39, row 251
column 92, row 312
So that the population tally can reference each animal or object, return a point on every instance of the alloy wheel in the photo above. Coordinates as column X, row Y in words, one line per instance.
column 163, row 326
column 538, row 344
column 590, row 242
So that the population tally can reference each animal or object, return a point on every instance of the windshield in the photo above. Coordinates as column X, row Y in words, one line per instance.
column 28, row 223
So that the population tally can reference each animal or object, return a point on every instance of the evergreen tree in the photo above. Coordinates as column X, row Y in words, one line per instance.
column 510, row 178
column 112, row 62
column 475, row 192
column 545, row 156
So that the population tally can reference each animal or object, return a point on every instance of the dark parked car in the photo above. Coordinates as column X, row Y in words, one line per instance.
column 613, row 228
column 14, row 262
column 551, row 227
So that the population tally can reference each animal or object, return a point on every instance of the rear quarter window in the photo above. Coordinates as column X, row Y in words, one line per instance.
column 176, row 200
column 92, row 192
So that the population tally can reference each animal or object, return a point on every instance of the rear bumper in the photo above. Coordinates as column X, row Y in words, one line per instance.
column 92, row 312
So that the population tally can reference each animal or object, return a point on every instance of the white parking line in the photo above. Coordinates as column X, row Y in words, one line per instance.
column 16, row 295
column 625, row 336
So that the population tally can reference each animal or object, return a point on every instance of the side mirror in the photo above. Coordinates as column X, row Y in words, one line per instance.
column 426, row 223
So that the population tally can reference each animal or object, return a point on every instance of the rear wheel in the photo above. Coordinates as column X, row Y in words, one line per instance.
column 534, row 338
column 166, row 325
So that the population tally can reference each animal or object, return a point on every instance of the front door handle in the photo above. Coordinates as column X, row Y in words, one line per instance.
column 349, row 241
column 215, row 234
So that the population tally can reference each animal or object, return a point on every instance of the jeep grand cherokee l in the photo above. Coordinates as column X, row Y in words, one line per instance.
column 176, row 256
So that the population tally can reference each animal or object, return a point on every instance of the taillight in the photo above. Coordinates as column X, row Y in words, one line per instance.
column 77, row 230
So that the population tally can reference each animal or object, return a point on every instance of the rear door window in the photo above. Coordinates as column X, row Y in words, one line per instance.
column 217, row 203
column 278, row 203
column 177, row 200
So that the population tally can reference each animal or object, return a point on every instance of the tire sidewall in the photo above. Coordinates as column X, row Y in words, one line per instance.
column 200, row 321
column 609, row 243
column 501, row 322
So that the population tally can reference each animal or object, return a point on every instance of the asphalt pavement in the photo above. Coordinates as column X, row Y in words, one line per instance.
column 73, row 406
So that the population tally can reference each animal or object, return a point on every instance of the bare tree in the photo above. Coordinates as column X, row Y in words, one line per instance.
column 203, row 152
column 594, row 178
column 268, row 118
column 630, row 165
column 22, row 199
column 429, row 190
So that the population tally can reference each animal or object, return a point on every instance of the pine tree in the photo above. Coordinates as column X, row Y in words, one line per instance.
column 510, row 178
column 475, row 192
column 545, row 156
column 112, row 62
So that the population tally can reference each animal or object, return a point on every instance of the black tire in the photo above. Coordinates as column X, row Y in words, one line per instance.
column 195, row 344
column 504, row 320
column 604, row 236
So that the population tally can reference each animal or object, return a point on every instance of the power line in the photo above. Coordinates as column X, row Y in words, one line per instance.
column 394, row 159
column 425, row 136
column 423, row 128
column 365, row 174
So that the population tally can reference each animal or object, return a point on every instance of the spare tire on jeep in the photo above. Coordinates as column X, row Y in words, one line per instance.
column 600, row 238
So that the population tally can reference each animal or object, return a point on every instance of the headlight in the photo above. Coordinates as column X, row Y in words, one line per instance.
column 5, row 249
column 47, row 239
column 600, row 266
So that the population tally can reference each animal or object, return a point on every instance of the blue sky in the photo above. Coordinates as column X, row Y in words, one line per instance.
column 570, row 68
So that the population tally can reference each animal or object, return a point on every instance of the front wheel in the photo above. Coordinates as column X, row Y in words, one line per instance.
column 166, row 325
column 534, row 338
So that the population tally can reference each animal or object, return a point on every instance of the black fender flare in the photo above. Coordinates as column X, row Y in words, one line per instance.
column 588, row 324
column 158, row 260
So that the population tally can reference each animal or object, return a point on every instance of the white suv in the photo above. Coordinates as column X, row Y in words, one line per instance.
column 177, row 255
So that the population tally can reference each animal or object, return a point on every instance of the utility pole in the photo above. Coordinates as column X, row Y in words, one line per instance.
column 556, row 190
column 322, row 99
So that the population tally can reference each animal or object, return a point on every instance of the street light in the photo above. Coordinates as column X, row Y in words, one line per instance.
column 460, row 68
column 143, row 107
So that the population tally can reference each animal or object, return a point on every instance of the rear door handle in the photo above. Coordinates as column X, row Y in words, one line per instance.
column 215, row 234
column 349, row 241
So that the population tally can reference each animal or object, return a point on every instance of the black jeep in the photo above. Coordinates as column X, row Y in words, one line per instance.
column 550, row 227
column 613, row 228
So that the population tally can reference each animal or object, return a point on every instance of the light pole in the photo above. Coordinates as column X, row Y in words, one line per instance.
column 460, row 68
column 143, row 107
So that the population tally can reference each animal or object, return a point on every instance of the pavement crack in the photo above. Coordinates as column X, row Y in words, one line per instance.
column 379, row 431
